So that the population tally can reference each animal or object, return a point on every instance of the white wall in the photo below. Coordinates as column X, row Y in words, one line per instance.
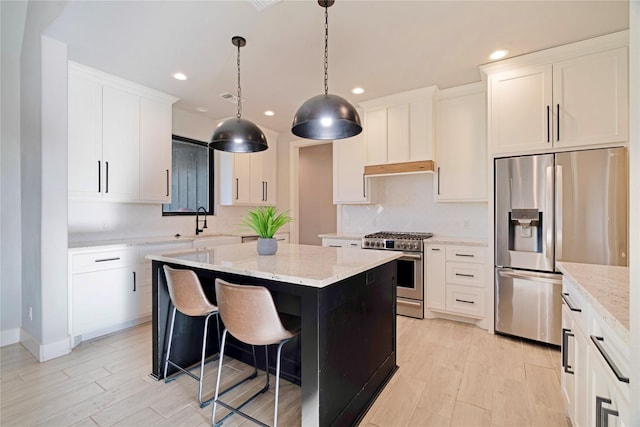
column 405, row 203
column 12, row 15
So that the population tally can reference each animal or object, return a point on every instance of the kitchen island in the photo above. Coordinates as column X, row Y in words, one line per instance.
column 344, row 299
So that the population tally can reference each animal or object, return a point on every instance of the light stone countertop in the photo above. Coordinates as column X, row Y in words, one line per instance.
column 450, row 240
column 136, row 241
column 606, row 287
column 316, row 266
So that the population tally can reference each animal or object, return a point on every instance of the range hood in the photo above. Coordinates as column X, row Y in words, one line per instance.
column 399, row 168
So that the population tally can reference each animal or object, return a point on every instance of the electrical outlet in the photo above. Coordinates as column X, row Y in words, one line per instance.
column 31, row 313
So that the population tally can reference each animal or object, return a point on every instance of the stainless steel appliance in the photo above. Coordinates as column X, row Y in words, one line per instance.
column 410, row 277
column 553, row 207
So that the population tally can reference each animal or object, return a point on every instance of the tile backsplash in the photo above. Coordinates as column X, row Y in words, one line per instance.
column 406, row 203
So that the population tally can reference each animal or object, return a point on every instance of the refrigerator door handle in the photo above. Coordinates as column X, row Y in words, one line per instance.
column 559, row 197
column 548, row 229
column 538, row 277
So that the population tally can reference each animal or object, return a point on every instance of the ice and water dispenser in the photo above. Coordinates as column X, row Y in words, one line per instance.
column 525, row 230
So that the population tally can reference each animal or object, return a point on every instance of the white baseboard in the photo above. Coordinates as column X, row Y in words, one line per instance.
column 44, row 352
column 9, row 336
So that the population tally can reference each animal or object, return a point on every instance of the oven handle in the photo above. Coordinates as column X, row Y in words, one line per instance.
column 409, row 303
column 411, row 256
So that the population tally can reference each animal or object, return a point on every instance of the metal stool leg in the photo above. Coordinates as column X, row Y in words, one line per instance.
column 275, row 410
column 204, row 355
column 166, row 359
column 215, row 397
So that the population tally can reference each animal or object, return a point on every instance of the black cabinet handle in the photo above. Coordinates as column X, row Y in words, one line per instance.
column 106, row 164
column 465, row 275
column 364, row 186
column 566, row 333
column 465, row 301
column 435, row 249
column 548, row 125
column 597, row 341
column 438, row 180
column 558, row 120
column 99, row 177
column 134, row 281
column 466, row 255
column 565, row 298
column 108, row 259
column 237, row 188
column 167, row 182
column 602, row 414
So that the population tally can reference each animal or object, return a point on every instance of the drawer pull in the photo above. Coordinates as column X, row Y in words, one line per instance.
column 602, row 414
column 134, row 281
column 465, row 301
column 108, row 259
column 567, row 301
column 598, row 343
column 435, row 249
column 335, row 246
column 466, row 255
column 465, row 275
column 566, row 333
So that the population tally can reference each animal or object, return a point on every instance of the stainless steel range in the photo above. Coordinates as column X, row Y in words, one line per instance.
column 410, row 275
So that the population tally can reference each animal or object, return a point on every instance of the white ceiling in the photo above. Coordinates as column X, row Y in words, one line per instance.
column 383, row 46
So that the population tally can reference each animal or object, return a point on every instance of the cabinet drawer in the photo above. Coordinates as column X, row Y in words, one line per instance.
column 611, row 350
column 342, row 243
column 465, row 273
column 103, row 260
column 472, row 254
column 465, row 300
column 577, row 305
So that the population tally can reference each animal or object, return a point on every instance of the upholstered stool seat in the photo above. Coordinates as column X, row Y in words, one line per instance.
column 250, row 315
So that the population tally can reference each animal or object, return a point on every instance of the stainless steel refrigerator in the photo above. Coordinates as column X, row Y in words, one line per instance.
column 554, row 207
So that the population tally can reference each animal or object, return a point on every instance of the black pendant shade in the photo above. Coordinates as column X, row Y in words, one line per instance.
column 238, row 135
column 326, row 117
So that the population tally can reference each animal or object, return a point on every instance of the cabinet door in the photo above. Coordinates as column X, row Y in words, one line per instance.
column 375, row 130
column 603, row 397
column 102, row 299
column 398, row 134
column 590, row 96
column 270, row 169
column 256, row 177
column 155, row 151
column 85, row 137
column 242, row 178
column 421, row 130
column 435, row 286
column 461, row 148
column 520, row 110
column 120, row 143
column 349, row 183
column 568, row 366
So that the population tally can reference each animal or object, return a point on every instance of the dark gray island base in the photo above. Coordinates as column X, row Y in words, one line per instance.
column 343, row 357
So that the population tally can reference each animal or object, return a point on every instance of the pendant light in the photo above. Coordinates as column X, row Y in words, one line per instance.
column 326, row 116
column 238, row 135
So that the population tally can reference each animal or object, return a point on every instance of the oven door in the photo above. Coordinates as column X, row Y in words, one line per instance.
column 409, row 277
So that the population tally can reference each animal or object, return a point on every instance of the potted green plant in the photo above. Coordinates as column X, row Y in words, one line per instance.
column 266, row 221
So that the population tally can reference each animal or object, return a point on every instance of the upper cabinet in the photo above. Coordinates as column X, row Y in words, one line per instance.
column 571, row 96
column 350, row 186
column 399, row 128
column 119, row 138
column 250, row 178
column 461, row 144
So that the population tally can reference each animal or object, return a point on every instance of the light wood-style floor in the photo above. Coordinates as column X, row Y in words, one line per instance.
column 451, row 374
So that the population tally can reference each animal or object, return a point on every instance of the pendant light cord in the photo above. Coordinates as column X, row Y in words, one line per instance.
column 326, row 49
column 239, row 114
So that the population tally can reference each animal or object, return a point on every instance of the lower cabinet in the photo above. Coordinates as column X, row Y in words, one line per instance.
column 103, row 291
column 594, row 371
column 455, row 279
column 342, row 242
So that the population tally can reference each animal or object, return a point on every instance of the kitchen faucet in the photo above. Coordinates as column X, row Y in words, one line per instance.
column 198, row 229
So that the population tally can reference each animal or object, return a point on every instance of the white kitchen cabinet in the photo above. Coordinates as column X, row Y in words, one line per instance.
column 455, row 279
column 342, row 242
column 119, row 138
column 575, row 101
column 103, row 291
column 155, row 151
column 461, row 144
column 250, row 179
column 594, row 381
column 350, row 186
column 399, row 128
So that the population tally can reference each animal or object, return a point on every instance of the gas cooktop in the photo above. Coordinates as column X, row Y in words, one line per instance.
column 395, row 241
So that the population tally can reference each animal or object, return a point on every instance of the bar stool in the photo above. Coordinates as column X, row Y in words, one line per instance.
column 249, row 314
column 187, row 297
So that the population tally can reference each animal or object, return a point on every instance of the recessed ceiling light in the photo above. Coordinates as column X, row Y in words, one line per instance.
column 357, row 90
column 269, row 113
column 202, row 109
column 180, row 76
column 498, row 54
